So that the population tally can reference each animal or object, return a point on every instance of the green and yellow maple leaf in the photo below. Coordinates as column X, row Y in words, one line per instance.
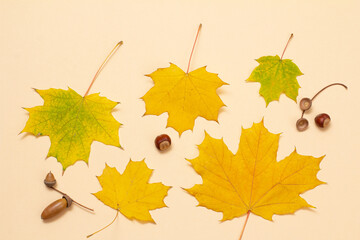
column 252, row 181
column 73, row 122
column 130, row 193
column 276, row 76
column 185, row 96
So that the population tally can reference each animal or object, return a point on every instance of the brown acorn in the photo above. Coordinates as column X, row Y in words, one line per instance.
column 56, row 207
column 50, row 180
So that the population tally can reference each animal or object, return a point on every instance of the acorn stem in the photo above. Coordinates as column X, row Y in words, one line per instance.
column 192, row 50
column 246, row 220
column 333, row 84
column 303, row 112
column 117, row 213
column 73, row 199
column 103, row 65
column 291, row 36
column 58, row 191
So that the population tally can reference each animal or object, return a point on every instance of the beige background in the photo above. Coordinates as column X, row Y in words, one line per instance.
column 55, row 44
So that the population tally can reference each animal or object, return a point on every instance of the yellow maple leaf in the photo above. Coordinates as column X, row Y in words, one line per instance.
column 185, row 96
column 130, row 193
column 252, row 180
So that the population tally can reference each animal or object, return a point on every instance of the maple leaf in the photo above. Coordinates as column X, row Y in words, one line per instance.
column 276, row 76
column 73, row 122
column 252, row 180
column 185, row 96
column 130, row 193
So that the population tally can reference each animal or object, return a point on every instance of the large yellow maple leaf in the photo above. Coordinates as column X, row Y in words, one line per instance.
column 73, row 122
column 185, row 96
column 252, row 180
column 130, row 193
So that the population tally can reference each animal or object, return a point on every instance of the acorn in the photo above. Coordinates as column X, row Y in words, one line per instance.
column 162, row 142
column 50, row 180
column 302, row 124
column 322, row 120
column 56, row 207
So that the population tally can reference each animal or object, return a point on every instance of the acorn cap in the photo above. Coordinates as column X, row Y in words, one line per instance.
column 305, row 104
column 50, row 180
column 302, row 124
column 68, row 200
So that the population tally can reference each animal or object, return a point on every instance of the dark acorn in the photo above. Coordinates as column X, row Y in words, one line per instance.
column 322, row 120
column 162, row 142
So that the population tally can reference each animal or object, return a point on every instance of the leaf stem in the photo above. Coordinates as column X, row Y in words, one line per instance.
column 246, row 220
column 72, row 199
column 103, row 65
column 291, row 36
column 192, row 50
column 117, row 213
